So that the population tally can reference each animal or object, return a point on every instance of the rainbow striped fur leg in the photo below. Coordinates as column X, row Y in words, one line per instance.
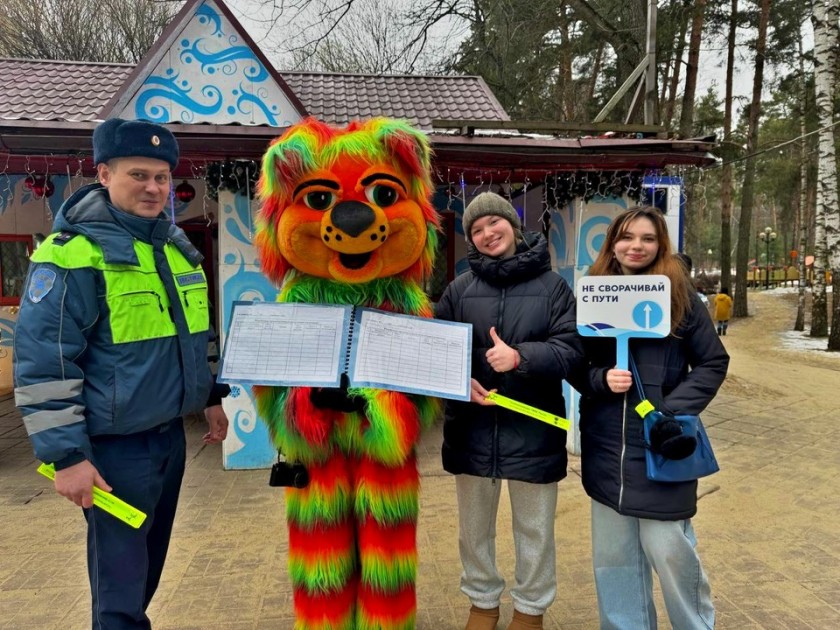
column 326, row 611
column 386, row 514
column 322, row 547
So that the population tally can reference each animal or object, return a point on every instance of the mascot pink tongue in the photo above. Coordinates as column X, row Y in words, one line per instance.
column 346, row 219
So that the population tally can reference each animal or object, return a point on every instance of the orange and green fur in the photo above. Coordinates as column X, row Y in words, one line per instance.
column 346, row 219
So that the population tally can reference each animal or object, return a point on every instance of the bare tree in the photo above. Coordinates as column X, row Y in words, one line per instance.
column 803, row 192
column 826, row 19
column 366, row 35
column 372, row 39
column 726, row 175
column 740, row 308
column 82, row 30
column 673, row 83
column 687, row 112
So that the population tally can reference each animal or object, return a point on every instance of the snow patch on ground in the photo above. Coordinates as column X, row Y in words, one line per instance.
column 801, row 341
column 789, row 290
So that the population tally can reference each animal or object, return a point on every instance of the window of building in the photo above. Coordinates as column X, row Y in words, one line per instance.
column 14, row 263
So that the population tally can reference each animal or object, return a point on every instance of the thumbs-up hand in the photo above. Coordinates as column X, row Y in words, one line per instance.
column 501, row 357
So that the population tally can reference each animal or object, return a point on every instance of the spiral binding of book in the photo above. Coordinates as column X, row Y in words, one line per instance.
column 350, row 330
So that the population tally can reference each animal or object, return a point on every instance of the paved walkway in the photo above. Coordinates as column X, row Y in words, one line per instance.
column 768, row 526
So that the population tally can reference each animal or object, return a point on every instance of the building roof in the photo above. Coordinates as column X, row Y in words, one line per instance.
column 50, row 108
column 36, row 89
column 340, row 98
column 68, row 91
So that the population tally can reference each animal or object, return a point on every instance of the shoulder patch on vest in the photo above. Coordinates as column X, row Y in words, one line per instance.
column 41, row 284
column 62, row 238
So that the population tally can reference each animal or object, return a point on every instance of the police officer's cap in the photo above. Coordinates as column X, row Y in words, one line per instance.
column 117, row 138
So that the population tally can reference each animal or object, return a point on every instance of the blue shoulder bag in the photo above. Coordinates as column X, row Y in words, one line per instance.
column 700, row 463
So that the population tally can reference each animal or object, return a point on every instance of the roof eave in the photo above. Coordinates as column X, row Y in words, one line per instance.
column 38, row 137
column 552, row 154
column 205, row 142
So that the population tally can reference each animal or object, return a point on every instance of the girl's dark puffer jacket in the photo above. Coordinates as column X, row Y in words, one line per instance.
column 533, row 310
column 681, row 375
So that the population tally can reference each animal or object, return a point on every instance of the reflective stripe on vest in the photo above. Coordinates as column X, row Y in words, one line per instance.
column 136, row 297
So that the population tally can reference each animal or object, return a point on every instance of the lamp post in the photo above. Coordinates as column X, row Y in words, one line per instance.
column 767, row 237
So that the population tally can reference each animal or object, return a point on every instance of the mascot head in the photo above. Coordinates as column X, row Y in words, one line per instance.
column 347, row 204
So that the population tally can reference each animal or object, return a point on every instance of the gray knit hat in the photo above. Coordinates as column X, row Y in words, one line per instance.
column 488, row 203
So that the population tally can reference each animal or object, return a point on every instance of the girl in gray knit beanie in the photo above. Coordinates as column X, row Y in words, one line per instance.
column 491, row 204
column 524, row 343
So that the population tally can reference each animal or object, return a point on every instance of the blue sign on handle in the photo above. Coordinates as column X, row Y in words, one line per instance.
column 623, row 307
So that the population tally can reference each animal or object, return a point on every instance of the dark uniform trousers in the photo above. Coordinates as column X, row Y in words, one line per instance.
column 125, row 564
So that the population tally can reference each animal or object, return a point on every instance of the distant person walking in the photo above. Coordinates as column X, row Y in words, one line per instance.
column 723, row 310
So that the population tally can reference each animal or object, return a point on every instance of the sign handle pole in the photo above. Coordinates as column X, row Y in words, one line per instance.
column 622, row 352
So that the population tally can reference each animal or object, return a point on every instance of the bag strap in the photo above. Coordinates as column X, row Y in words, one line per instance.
column 644, row 407
column 636, row 380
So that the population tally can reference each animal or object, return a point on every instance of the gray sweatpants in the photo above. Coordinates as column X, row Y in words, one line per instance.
column 532, row 508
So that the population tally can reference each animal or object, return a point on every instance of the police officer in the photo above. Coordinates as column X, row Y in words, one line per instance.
column 111, row 353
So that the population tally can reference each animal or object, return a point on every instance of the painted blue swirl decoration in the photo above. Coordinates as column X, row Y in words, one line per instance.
column 256, row 450
column 590, row 238
column 224, row 60
column 60, row 182
column 241, row 218
column 592, row 231
column 558, row 240
column 557, row 237
column 207, row 15
column 7, row 191
column 159, row 95
column 171, row 91
column 244, row 97
column 11, row 184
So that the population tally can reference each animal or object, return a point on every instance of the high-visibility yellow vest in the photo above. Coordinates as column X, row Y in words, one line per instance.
column 138, row 303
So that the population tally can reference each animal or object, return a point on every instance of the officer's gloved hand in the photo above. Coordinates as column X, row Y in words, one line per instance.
column 337, row 398
column 667, row 439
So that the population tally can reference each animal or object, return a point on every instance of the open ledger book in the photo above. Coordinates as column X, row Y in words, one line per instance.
column 310, row 345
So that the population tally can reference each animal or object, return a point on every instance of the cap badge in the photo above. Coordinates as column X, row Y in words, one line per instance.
column 155, row 140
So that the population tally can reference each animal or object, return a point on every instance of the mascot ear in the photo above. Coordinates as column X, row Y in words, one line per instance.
column 409, row 146
column 288, row 159
column 291, row 156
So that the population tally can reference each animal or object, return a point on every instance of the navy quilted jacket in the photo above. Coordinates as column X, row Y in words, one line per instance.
column 533, row 310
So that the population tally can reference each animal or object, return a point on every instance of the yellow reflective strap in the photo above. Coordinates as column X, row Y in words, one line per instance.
column 528, row 410
column 644, row 408
column 106, row 501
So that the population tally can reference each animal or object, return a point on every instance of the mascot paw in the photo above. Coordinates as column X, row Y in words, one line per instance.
column 337, row 398
column 667, row 439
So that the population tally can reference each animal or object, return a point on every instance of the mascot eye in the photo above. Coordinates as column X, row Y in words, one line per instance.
column 319, row 199
column 382, row 195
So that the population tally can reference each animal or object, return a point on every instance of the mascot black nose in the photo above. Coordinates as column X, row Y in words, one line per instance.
column 352, row 217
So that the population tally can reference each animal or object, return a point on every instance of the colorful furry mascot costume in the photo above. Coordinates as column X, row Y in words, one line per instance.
column 346, row 219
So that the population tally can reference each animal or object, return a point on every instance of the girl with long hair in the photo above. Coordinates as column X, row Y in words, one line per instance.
column 639, row 525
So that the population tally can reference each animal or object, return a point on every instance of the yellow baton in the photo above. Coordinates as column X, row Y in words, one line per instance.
column 106, row 501
column 528, row 410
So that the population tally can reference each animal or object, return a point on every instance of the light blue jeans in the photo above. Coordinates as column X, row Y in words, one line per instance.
column 624, row 549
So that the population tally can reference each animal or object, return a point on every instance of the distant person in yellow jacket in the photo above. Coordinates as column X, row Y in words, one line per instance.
column 723, row 310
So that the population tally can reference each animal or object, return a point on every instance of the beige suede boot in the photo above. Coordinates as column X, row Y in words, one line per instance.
column 521, row 621
column 482, row 618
